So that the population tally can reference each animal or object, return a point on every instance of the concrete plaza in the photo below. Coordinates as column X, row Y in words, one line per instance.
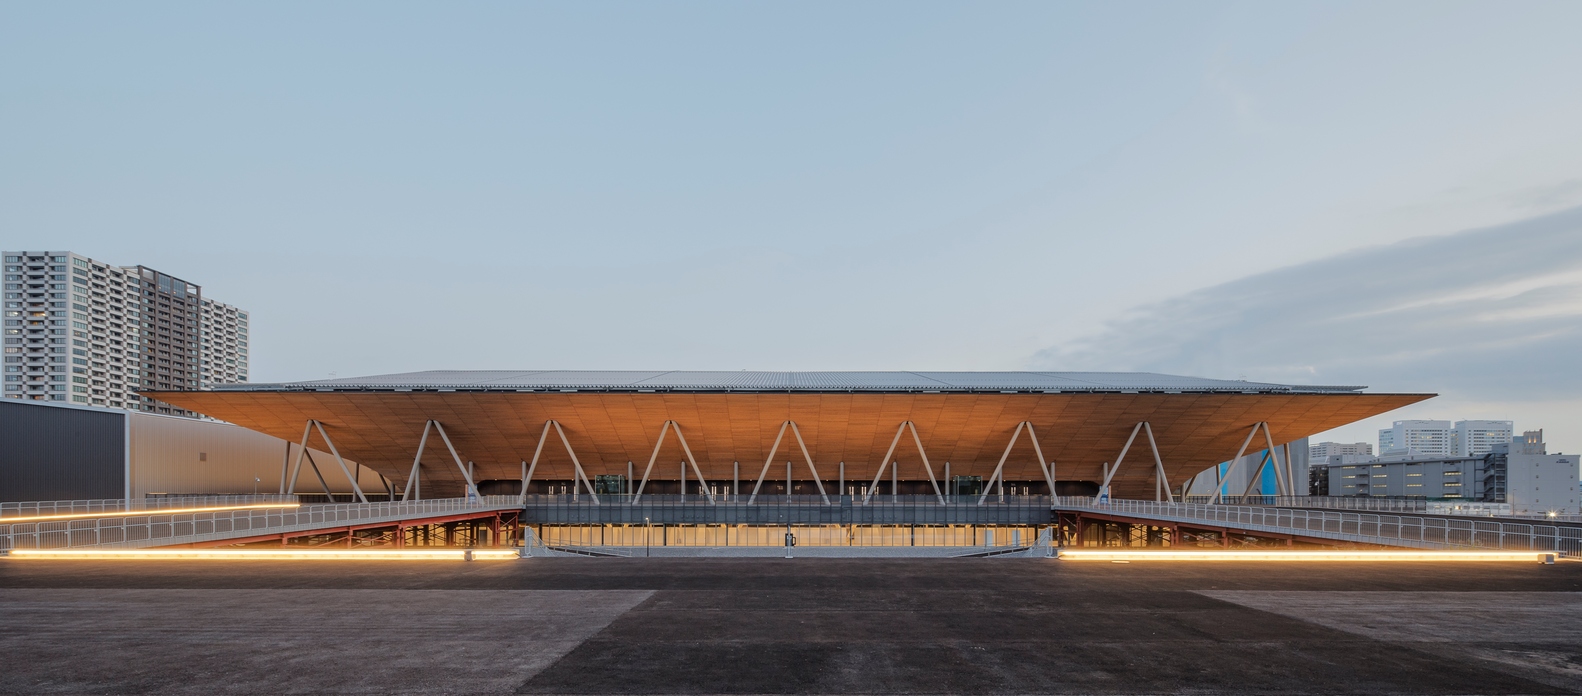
column 744, row 626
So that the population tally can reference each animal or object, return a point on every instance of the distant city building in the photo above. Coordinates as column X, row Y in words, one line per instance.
column 1417, row 438
column 1520, row 474
column 1333, row 454
column 1324, row 450
column 1400, row 454
column 1441, row 478
column 72, row 329
column 1531, row 442
column 1338, row 459
column 1533, row 481
column 169, row 349
column 83, row 331
column 222, row 353
column 1475, row 438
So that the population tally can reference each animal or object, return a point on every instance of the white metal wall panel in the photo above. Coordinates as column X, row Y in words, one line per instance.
column 172, row 455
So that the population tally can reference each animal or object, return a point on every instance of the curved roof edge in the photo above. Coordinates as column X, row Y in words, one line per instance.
column 760, row 381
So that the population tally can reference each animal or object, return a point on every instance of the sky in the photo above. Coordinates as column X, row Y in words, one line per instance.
column 1376, row 193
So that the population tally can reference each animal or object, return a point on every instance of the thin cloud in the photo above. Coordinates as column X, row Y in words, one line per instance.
column 1493, row 313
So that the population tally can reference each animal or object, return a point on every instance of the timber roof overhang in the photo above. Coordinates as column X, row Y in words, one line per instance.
column 499, row 419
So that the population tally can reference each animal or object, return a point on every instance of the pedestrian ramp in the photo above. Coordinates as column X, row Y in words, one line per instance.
column 1361, row 527
column 140, row 528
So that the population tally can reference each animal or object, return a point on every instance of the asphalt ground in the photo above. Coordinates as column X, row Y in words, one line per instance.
column 744, row 626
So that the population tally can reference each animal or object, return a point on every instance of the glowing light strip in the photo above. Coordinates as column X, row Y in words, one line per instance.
column 275, row 554
column 1242, row 555
column 145, row 512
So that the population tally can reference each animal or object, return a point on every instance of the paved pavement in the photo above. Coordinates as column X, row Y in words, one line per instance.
column 743, row 626
column 293, row 641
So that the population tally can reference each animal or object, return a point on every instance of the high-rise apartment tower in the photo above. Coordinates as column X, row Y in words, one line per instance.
column 83, row 331
column 170, row 335
column 222, row 353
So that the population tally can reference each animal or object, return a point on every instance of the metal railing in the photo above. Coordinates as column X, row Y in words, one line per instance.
column 782, row 509
column 1570, row 520
column 154, row 529
column 1457, row 507
column 1364, row 527
column 1398, row 504
column 121, row 505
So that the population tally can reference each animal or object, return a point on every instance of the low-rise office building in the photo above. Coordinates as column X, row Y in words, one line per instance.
column 1322, row 451
column 1520, row 474
column 1534, row 482
column 1446, row 477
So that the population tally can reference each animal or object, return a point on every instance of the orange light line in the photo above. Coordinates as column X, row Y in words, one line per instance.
column 1309, row 556
column 144, row 513
column 276, row 554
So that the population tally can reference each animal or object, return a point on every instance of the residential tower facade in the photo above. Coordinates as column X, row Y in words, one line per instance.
column 222, row 350
column 83, row 331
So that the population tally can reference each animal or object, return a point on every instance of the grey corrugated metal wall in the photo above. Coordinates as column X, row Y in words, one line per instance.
column 60, row 453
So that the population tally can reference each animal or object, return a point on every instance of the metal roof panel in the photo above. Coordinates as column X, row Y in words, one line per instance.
column 748, row 380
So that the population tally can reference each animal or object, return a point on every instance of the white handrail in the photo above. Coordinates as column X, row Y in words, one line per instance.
column 1409, row 530
column 151, row 528
column 113, row 505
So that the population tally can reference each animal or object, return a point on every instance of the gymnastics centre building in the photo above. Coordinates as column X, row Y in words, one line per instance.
column 720, row 458
column 572, row 427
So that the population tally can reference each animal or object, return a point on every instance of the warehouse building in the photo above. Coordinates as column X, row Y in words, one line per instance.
column 54, row 451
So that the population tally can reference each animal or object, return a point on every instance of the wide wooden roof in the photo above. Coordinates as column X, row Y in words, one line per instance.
column 1080, row 431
